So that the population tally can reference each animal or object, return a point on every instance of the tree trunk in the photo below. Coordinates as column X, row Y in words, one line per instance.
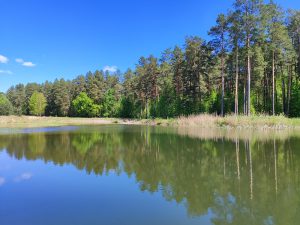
column 236, row 102
column 273, row 83
column 245, row 99
column 249, row 77
column 222, row 65
column 283, row 95
column 289, row 89
column 223, row 87
column 298, row 31
column 265, row 93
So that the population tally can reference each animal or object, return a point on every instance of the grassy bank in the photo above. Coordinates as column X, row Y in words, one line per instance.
column 247, row 122
column 33, row 121
column 201, row 121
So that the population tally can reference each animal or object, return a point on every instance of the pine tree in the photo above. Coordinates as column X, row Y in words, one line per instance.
column 16, row 95
column 249, row 12
column 235, row 38
column 219, row 32
column 61, row 97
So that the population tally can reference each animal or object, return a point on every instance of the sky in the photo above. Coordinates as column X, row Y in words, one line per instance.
column 44, row 40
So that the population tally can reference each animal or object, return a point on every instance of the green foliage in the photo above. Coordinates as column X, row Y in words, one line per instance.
column 211, row 104
column 127, row 108
column 84, row 106
column 37, row 104
column 95, row 86
column 295, row 100
column 61, row 98
column 110, row 105
column 30, row 88
column 166, row 106
column 6, row 107
column 17, row 97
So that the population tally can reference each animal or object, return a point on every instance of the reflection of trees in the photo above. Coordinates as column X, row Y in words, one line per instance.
column 240, row 181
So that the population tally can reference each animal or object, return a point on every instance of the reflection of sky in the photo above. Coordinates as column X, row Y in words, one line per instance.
column 23, row 176
column 36, row 129
column 48, row 129
column 4, row 161
column 2, row 181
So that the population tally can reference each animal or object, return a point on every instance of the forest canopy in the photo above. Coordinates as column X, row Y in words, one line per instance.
column 250, row 65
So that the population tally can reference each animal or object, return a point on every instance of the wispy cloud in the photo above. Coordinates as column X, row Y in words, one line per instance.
column 3, row 59
column 2, row 181
column 23, row 176
column 28, row 64
column 24, row 63
column 110, row 69
column 6, row 72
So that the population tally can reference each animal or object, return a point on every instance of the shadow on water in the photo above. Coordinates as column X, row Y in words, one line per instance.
column 242, row 178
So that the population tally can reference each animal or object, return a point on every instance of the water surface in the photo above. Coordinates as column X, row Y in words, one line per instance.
column 148, row 175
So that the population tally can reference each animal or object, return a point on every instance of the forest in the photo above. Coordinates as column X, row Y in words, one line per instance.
column 250, row 65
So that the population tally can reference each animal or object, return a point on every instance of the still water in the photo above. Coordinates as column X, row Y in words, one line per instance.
column 139, row 175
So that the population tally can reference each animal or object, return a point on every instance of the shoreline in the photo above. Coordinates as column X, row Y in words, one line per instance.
column 195, row 121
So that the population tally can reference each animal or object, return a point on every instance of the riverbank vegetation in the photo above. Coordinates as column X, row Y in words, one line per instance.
column 193, row 121
column 250, row 66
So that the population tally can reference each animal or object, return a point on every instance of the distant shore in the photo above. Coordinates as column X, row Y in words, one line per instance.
column 201, row 121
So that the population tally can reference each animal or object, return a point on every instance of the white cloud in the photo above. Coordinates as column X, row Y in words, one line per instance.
column 110, row 69
column 3, row 59
column 6, row 71
column 23, row 176
column 19, row 60
column 2, row 181
column 27, row 64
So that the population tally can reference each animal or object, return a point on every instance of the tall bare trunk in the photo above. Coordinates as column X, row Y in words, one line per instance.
column 236, row 101
column 223, row 87
column 249, row 77
column 223, row 70
column 290, row 70
column 283, row 96
column 245, row 99
column 283, row 92
column 298, row 31
column 273, row 83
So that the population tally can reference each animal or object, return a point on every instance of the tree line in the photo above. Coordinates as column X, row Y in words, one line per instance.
column 250, row 65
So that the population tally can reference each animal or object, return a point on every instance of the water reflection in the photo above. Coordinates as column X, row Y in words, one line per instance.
column 239, row 179
column 23, row 177
column 2, row 181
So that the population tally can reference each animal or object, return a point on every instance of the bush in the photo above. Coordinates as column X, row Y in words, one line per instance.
column 85, row 107
column 6, row 107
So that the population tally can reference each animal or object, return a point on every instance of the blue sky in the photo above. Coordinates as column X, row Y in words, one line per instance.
column 44, row 40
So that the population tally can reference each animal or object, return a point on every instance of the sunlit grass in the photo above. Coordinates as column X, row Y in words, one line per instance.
column 201, row 121
column 255, row 121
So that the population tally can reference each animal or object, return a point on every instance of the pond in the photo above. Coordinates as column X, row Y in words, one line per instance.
column 121, row 174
